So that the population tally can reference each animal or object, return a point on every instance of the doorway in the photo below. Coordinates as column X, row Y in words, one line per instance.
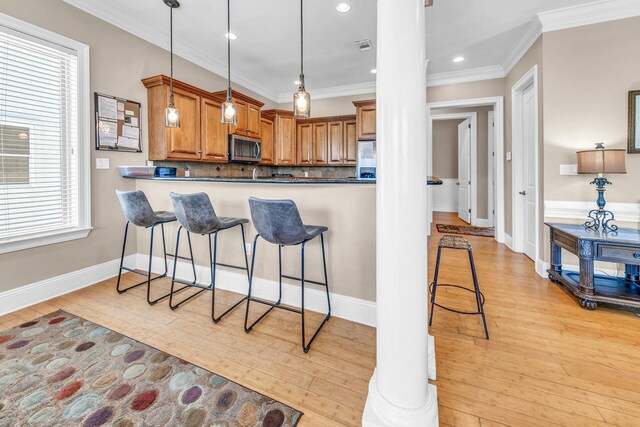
column 525, row 165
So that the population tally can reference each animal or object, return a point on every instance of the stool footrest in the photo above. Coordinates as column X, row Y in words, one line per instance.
column 305, row 280
column 276, row 305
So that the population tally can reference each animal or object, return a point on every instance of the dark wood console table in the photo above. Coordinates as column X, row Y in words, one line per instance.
column 622, row 246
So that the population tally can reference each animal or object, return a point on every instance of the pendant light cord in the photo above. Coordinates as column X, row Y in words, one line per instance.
column 228, row 50
column 301, row 45
column 171, row 47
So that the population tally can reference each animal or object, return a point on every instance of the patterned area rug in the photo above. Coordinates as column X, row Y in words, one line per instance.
column 466, row 229
column 61, row 369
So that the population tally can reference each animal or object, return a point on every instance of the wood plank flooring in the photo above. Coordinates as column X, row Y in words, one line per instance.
column 548, row 362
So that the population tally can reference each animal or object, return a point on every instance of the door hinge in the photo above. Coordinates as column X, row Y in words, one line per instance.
column 469, row 126
column 469, row 210
column 469, row 182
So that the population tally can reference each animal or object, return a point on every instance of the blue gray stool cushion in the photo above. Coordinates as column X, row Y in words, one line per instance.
column 196, row 214
column 138, row 211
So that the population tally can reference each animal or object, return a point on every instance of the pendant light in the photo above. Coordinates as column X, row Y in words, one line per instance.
column 301, row 99
column 229, row 110
column 171, row 113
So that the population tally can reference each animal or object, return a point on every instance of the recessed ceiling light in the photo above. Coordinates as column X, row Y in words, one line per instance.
column 343, row 7
column 373, row 71
column 231, row 36
column 458, row 59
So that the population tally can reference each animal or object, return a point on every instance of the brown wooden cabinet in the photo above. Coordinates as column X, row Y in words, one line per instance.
column 284, row 136
column 248, row 110
column 366, row 119
column 326, row 141
column 213, row 133
column 267, row 132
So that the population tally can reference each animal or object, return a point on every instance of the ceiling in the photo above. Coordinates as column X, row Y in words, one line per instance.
column 265, row 57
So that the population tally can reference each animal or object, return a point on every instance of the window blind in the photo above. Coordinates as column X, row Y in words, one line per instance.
column 39, row 165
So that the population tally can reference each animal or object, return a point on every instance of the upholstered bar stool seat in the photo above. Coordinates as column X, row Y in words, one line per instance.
column 196, row 215
column 279, row 222
column 138, row 211
column 458, row 243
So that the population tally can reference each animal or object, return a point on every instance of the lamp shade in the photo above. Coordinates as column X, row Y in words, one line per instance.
column 601, row 161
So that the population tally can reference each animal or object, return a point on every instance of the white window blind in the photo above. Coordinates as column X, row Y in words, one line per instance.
column 40, row 166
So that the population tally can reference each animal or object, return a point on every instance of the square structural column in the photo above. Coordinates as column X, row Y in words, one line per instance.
column 399, row 392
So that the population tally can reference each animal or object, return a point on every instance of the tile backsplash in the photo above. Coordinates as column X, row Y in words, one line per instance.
column 246, row 170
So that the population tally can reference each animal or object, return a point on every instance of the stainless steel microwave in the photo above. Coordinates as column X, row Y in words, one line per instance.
column 244, row 150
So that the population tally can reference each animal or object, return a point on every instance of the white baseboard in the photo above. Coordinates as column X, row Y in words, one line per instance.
column 345, row 307
column 445, row 196
column 508, row 240
column 483, row 222
column 625, row 212
column 34, row 293
column 543, row 266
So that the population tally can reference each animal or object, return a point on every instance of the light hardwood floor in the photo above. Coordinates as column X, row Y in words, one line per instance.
column 548, row 362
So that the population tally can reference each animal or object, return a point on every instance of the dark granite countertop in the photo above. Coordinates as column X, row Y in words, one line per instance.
column 269, row 180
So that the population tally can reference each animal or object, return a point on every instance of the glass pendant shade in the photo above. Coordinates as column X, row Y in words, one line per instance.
column 301, row 104
column 229, row 112
column 172, row 117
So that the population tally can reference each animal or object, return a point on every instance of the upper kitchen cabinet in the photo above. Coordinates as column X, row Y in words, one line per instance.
column 199, row 137
column 267, row 132
column 248, row 110
column 326, row 141
column 284, row 136
column 366, row 119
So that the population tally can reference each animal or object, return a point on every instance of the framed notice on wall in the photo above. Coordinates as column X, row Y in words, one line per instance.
column 118, row 124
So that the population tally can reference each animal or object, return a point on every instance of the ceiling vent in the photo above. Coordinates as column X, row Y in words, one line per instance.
column 364, row 45
column 428, row 3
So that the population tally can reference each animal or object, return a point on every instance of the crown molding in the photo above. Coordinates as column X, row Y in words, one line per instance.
column 129, row 24
column 332, row 92
column 534, row 31
column 587, row 14
column 465, row 76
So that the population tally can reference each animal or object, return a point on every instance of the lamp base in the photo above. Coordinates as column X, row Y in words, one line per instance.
column 601, row 219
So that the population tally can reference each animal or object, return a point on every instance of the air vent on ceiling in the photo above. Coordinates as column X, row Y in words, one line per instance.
column 364, row 44
column 428, row 3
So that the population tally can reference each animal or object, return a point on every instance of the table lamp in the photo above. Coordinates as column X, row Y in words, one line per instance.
column 601, row 162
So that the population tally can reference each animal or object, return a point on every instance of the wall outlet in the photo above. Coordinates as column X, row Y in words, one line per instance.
column 568, row 169
column 102, row 163
column 247, row 247
column 187, row 173
column 508, row 156
column 149, row 162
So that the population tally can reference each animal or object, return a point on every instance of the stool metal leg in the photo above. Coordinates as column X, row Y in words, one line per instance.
column 248, row 329
column 434, row 286
column 173, row 306
column 213, row 258
column 307, row 346
column 477, row 291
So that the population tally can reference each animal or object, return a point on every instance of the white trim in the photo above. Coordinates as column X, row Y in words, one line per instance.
column 333, row 92
column 34, row 293
column 491, row 166
column 157, row 37
column 543, row 266
column 445, row 196
column 482, row 222
column 517, row 164
column 498, row 108
column 473, row 155
column 508, row 240
column 587, row 14
column 625, row 212
column 465, row 76
column 84, row 137
column 342, row 306
column 533, row 32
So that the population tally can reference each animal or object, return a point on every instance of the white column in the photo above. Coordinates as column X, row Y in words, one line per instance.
column 399, row 393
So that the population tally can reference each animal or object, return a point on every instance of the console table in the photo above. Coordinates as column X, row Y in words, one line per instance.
column 622, row 246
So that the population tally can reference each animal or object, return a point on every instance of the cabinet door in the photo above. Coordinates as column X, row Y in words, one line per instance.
column 253, row 120
column 214, row 133
column 350, row 143
column 319, row 144
column 286, row 140
column 334, row 143
column 367, row 122
column 184, row 142
column 241, row 121
column 304, row 140
column 267, row 141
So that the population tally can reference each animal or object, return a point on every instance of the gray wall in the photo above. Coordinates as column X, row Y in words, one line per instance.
column 445, row 148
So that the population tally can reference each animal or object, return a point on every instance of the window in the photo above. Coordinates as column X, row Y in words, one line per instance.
column 44, row 179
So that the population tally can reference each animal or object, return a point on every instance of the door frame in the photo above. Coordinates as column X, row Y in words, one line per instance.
column 517, row 165
column 497, row 102
column 473, row 155
column 491, row 160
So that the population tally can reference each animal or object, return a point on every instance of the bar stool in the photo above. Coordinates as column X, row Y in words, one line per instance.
column 138, row 211
column 195, row 214
column 278, row 222
column 458, row 243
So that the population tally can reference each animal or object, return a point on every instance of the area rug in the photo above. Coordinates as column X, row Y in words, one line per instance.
column 63, row 370
column 466, row 229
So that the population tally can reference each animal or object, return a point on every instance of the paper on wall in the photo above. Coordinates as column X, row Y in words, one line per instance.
column 125, row 142
column 134, row 122
column 108, row 133
column 129, row 112
column 120, row 106
column 131, row 132
column 120, row 115
column 107, row 108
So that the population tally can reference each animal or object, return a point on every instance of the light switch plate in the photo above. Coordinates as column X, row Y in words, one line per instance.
column 102, row 163
column 568, row 169
column 508, row 156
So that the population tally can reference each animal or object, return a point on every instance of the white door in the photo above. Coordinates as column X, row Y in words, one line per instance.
column 464, row 171
column 528, row 192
